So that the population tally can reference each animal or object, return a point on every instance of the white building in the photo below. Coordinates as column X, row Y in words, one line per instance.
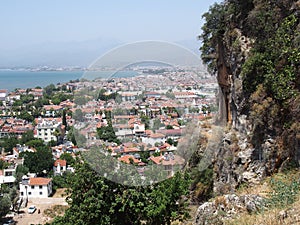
column 36, row 187
column 7, row 176
column 139, row 129
column 45, row 129
column 3, row 95
column 156, row 138
column 60, row 166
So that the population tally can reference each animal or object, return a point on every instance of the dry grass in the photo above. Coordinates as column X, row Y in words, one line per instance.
column 287, row 216
column 260, row 189
column 56, row 210
column 193, row 212
column 271, row 217
column 60, row 193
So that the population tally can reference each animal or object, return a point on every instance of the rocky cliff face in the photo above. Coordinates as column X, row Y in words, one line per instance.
column 251, row 46
column 250, row 150
column 237, row 161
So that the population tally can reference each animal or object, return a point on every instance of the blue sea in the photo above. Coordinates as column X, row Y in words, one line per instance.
column 12, row 79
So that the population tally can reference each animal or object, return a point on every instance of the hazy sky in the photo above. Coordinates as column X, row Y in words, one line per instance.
column 32, row 21
column 41, row 32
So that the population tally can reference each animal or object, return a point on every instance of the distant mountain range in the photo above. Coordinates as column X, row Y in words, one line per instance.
column 76, row 53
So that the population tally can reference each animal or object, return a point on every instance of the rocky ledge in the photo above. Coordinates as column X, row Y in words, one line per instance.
column 227, row 207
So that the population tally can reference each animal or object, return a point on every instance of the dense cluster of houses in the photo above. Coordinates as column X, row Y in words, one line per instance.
column 144, row 119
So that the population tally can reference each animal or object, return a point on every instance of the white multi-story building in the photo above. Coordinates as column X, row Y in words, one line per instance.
column 35, row 187
column 45, row 129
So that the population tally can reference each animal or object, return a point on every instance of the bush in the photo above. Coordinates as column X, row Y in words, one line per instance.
column 284, row 193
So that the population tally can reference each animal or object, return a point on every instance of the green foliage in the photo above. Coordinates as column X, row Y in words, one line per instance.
column 212, row 34
column 61, row 181
column 78, row 115
column 170, row 94
column 276, row 66
column 20, row 171
column 95, row 200
column 107, row 134
column 35, row 143
column 80, row 100
column 157, row 124
column 48, row 90
column 169, row 127
column 5, row 204
column 26, row 116
column 8, row 143
column 202, row 184
column 39, row 161
column 60, row 97
column 64, row 119
column 26, row 137
column 284, row 193
column 145, row 120
column 144, row 156
column 2, row 164
column 170, row 141
column 105, row 97
column 68, row 157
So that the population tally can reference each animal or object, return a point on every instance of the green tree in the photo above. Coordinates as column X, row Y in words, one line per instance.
column 90, row 202
column 68, row 157
column 5, row 204
column 8, row 143
column 48, row 90
column 35, row 143
column 212, row 35
column 26, row 116
column 64, row 119
column 78, row 115
column 107, row 134
column 169, row 127
column 39, row 161
column 157, row 124
column 80, row 100
column 26, row 137
column 20, row 171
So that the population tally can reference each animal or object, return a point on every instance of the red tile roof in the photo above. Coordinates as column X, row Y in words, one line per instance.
column 39, row 181
column 126, row 158
column 160, row 160
column 61, row 162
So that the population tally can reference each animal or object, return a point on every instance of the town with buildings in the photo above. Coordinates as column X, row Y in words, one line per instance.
column 139, row 120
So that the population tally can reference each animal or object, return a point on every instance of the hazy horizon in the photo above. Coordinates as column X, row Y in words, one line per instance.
column 67, row 33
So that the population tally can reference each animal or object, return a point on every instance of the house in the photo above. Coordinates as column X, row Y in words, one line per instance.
column 153, row 94
column 154, row 138
column 7, row 176
column 139, row 129
column 3, row 95
column 59, row 167
column 46, row 128
column 37, row 93
column 35, row 187
column 170, row 162
column 52, row 110
column 128, row 96
column 175, row 134
column 123, row 130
